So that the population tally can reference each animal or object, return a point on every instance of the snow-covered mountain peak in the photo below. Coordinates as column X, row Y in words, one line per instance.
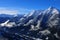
column 31, row 13
column 55, row 11
column 51, row 10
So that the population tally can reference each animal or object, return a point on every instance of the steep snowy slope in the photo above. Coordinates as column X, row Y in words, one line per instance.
column 37, row 25
column 41, row 18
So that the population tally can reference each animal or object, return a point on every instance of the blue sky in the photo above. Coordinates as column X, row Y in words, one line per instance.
column 27, row 5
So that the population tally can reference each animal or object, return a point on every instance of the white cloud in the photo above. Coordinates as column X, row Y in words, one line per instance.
column 8, row 11
column 13, row 11
column 25, row 10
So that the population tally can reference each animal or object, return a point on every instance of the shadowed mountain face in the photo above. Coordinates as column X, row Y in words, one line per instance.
column 37, row 25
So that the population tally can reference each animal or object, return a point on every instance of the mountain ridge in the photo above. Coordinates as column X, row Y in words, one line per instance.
column 40, row 24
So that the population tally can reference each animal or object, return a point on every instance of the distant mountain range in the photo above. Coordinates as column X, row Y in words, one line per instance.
column 37, row 25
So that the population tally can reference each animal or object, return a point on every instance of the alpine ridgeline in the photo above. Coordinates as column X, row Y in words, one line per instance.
column 37, row 25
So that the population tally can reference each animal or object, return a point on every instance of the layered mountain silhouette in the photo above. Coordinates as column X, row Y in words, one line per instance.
column 37, row 25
